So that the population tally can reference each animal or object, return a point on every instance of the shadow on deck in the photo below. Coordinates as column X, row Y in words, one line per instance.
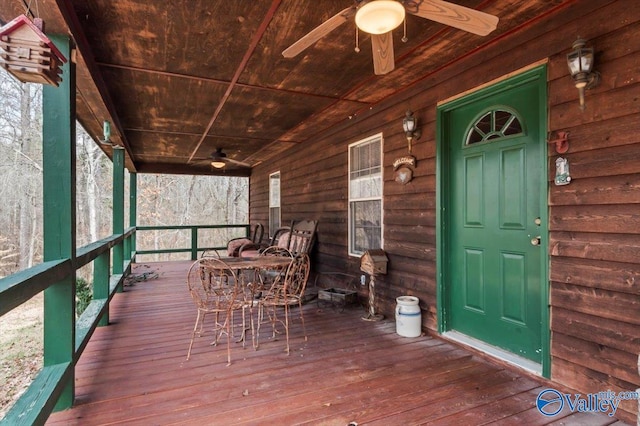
column 134, row 372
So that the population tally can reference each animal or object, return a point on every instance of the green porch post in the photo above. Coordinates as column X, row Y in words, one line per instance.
column 194, row 243
column 59, row 212
column 133, row 207
column 101, row 282
column 118, row 208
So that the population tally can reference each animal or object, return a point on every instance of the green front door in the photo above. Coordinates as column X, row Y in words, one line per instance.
column 494, row 178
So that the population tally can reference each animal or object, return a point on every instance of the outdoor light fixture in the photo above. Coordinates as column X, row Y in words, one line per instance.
column 580, row 62
column 410, row 126
column 380, row 16
column 217, row 164
column 106, row 130
column 106, row 133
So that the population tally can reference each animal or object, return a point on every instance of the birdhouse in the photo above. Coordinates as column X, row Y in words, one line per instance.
column 28, row 54
column 374, row 262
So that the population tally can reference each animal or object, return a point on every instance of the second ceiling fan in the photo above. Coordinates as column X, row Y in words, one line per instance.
column 219, row 160
column 380, row 17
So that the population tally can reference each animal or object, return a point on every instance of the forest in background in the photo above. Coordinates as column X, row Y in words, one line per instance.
column 162, row 199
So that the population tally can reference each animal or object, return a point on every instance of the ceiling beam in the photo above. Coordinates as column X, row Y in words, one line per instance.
column 213, row 80
column 252, row 47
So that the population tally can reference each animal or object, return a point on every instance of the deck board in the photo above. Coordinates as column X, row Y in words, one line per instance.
column 134, row 372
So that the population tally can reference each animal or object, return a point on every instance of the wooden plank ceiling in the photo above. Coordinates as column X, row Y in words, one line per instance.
column 179, row 79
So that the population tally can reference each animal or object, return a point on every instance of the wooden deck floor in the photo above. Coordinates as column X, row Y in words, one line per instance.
column 134, row 372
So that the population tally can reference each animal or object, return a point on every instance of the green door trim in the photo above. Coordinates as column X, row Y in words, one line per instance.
column 539, row 75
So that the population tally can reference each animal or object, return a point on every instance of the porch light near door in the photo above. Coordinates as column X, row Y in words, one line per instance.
column 380, row 16
column 580, row 62
column 410, row 126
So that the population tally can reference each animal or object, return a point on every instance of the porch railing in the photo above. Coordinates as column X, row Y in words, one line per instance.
column 37, row 403
column 194, row 247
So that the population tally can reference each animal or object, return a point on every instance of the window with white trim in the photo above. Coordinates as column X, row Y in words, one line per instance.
column 274, row 202
column 365, row 195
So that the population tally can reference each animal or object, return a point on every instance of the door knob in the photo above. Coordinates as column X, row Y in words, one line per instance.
column 535, row 241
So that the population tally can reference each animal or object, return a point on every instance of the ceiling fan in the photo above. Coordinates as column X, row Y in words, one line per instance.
column 219, row 160
column 380, row 17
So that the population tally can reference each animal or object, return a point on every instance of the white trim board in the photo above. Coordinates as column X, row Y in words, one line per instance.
column 495, row 352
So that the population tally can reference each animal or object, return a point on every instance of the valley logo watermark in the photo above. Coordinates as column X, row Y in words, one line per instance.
column 551, row 402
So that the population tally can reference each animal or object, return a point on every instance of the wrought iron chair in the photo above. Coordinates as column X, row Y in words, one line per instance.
column 266, row 277
column 215, row 289
column 285, row 291
column 276, row 251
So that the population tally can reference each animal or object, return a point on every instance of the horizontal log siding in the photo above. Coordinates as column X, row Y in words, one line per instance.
column 594, row 222
column 594, row 239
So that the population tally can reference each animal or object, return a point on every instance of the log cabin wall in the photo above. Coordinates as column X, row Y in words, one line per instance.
column 594, row 222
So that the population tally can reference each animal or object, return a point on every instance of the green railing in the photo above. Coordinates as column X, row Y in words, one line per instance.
column 194, row 247
column 37, row 403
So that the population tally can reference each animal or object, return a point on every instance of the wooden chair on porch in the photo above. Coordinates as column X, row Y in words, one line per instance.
column 255, row 237
column 256, row 234
column 297, row 238
column 280, row 238
column 302, row 236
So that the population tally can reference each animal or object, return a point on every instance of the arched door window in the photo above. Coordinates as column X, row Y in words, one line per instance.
column 494, row 124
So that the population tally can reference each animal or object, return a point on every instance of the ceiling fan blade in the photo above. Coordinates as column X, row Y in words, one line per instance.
column 382, row 50
column 236, row 162
column 456, row 16
column 318, row 32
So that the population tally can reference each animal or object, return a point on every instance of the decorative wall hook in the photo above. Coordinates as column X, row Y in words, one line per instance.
column 561, row 142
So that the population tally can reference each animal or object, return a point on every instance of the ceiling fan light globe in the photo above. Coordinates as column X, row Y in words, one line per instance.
column 380, row 16
column 217, row 164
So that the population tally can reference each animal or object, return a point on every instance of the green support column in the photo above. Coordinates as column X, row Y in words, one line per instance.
column 101, row 282
column 118, row 208
column 194, row 243
column 133, row 207
column 59, row 212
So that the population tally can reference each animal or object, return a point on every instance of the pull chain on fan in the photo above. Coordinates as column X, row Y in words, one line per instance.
column 380, row 17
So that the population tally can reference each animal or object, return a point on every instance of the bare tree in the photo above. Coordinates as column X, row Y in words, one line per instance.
column 162, row 199
column 20, row 139
column 94, row 190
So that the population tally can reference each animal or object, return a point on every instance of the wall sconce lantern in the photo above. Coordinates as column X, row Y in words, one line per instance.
column 404, row 166
column 580, row 62
column 410, row 126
